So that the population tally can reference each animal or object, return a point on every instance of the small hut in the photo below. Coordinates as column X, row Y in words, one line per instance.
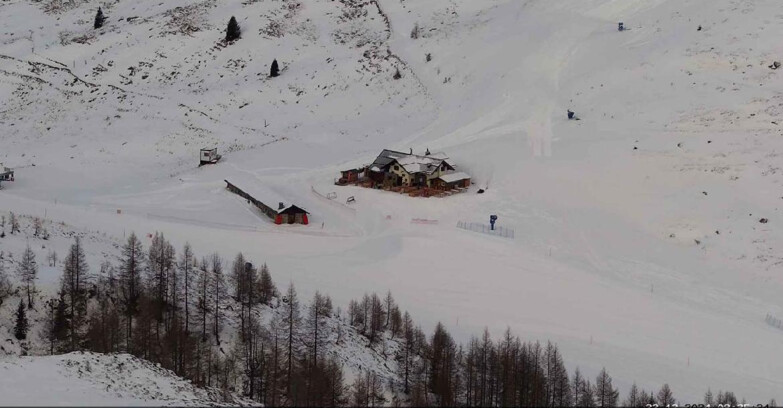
column 263, row 199
column 6, row 174
column 351, row 176
column 209, row 156
column 453, row 180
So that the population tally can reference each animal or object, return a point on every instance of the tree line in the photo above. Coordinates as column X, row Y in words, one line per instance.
column 226, row 325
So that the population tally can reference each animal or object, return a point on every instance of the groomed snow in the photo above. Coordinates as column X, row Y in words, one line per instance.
column 638, row 245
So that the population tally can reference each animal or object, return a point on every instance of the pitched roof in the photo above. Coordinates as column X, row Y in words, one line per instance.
column 419, row 164
column 412, row 163
column 262, row 193
column 455, row 176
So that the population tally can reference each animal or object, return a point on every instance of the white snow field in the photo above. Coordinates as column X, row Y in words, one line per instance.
column 638, row 245
column 90, row 379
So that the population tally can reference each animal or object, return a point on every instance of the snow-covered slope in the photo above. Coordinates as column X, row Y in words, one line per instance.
column 638, row 243
column 90, row 379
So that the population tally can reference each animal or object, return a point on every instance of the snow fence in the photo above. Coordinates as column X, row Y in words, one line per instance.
column 485, row 229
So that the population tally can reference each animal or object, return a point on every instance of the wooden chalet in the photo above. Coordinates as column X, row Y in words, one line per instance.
column 397, row 169
column 255, row 193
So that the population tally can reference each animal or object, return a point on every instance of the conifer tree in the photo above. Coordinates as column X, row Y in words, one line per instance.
column 204, row 305
column 267, row 290
column 27, row 270
column 161, row 260
column 218, row 292
column 605, row 394
column 708, row 398
column 274, row 71
column 14, row 223
column 320, row 308
column 186, row 272
column 60, row 326
column 99, row 19
column 233, row 31
column 586, row 395
column 665, row 396
column 634, row 398
column 20, row 324
column 576, row 387
column 74, row 289
column 130, row 283
column 292, row 321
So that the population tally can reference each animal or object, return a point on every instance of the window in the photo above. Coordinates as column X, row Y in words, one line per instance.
column 396, row 167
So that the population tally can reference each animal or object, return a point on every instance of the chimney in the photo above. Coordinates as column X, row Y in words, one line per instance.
column 281, row 206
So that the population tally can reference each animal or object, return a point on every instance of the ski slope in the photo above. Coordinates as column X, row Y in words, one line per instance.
column 90, row 379
column 638, row 243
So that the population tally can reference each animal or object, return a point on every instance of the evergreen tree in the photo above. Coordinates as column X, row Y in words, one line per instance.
column 130, row 283
column 74, row 288
column 218, row 292
column 605, row 394
column 267, row 290
column 14, row 223
column 443, row 366
column 633, row 399
column 320, row 309
column 232, row 31
column 274, row 71
column 57, row 325
column 203, row 302
column 161, row 260
column 586, row 395
column 726, row 398
column 21, row 325
column 576, row 385
column 27, row 270
column 558, row 385
column 186, row 272
column 292, row 320
column 665, row 396
column 99, row 19
column 708, row 398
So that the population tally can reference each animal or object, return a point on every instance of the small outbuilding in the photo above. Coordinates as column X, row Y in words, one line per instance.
column 270, row 203
column 208, row 156
column 454, row 180
column 6, row 174
column 351, row 175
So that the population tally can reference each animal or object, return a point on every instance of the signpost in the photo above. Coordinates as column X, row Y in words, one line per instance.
column 492, row 219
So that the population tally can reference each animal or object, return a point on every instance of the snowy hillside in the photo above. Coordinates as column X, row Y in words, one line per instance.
column 646, row 232
column 89, row 379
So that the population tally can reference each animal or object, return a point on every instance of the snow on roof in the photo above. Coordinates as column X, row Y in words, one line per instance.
column 455, row 176
column 419, row 164
column 260, row 192
column 412, row 163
